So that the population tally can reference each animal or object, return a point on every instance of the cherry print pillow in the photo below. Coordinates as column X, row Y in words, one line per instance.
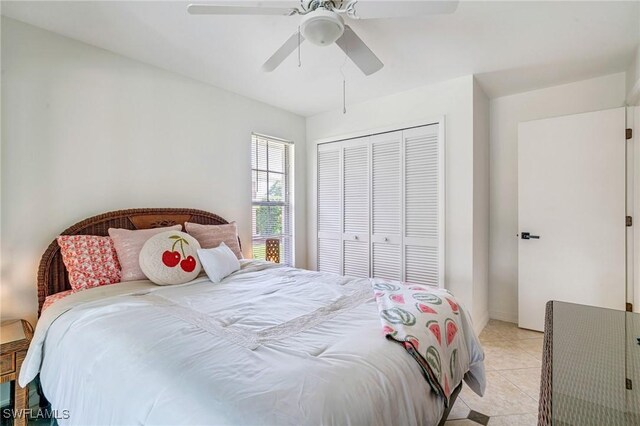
column 170, row 258
column 91, row 261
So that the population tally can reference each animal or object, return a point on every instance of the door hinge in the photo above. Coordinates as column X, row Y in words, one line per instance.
column 629, row 307
column 629, row 221
column 629, row 134
column 628, row 384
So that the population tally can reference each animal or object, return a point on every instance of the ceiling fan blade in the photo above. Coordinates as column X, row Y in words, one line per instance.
column 373, row 9
column 358, row 52
column 283, row 52
column 211, row 9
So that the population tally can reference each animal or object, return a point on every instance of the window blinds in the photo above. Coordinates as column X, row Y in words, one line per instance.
column 271, row 198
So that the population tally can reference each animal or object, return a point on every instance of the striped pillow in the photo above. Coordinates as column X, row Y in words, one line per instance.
column 210, row 236
column 128, row 245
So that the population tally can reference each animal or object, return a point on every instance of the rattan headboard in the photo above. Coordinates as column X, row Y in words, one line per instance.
column 52, row 274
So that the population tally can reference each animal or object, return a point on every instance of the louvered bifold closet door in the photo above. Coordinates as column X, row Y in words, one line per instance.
column 329, row 208
column 356, row 207
column 386, row 205
column 423, row 201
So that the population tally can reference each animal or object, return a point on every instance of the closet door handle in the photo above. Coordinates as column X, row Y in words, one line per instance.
column 355, row 237
column 386, row 239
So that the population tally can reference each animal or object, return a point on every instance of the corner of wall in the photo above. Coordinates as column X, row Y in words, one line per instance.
column 480, row 246
column 480, row 322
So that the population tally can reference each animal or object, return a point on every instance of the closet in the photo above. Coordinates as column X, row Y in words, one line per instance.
column 380, row 205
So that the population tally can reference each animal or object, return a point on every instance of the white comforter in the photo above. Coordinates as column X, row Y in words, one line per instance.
column 268, row 345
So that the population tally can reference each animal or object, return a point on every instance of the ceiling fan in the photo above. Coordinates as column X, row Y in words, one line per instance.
column 323, row 22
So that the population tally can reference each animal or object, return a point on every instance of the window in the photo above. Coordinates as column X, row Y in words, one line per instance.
column 272, row 212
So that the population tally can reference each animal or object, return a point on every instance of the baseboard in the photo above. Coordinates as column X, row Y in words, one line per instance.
column 481, row 322
column 504, row 316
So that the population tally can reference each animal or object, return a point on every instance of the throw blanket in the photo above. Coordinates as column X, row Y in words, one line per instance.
column 426, row 321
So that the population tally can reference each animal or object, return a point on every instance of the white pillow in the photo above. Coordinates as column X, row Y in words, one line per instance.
column 218, row 262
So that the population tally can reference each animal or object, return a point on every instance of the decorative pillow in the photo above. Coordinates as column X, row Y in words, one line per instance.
column 210, row 236
column 128, row 245
column 91, row 261
column 170, row 258
column 218, row 262
column 55, row 297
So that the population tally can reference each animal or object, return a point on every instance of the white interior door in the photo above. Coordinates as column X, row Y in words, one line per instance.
column 571, row 194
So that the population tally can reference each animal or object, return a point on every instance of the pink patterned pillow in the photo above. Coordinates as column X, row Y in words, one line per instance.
column 210, row 236
column 128, row 244
column 91, row 261
column 55, row 297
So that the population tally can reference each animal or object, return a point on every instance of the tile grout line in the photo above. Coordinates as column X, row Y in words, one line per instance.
column 496, row 336
column 518, row 387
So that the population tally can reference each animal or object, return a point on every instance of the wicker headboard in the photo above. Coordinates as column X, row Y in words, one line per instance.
column 52, row 274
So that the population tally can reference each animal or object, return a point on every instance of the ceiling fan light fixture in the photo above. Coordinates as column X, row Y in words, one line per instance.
column 322, row 27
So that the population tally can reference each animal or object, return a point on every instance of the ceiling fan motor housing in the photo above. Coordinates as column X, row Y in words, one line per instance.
column 322, row 27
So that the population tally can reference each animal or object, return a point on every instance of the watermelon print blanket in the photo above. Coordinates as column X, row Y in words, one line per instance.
column 426, row 322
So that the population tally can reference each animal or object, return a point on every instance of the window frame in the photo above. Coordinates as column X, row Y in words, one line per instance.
column 287, row 236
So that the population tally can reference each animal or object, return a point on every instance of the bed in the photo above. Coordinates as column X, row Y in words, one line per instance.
column 267, row 345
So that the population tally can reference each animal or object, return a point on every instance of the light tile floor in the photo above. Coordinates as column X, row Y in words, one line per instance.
column 513, row 358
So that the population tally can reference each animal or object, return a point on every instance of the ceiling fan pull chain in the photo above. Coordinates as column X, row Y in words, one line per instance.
column 344, row 80
column 344, row 96
column 299, row 42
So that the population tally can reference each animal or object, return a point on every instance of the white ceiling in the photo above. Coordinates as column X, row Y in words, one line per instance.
column 510, row 46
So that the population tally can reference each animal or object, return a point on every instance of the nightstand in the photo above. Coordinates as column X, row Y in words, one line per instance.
column 15, row 336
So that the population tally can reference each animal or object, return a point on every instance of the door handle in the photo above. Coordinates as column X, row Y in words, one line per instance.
column 528, row 236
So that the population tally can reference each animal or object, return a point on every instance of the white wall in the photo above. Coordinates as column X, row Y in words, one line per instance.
column 481, row 228
column 87, row 131
column 633, row 80
column 506, row 112
column 633, row 74
column 453, row 99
